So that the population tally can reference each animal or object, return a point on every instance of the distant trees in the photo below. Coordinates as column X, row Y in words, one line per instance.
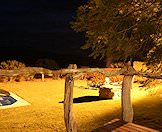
column 47, row 63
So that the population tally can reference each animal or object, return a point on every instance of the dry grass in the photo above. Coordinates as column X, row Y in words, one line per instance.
column 46, row 113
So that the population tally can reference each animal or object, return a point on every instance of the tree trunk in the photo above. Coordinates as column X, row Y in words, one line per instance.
column 127, row 110
column 68, row 101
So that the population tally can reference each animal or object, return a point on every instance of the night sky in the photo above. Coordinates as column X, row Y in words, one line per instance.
column 40, row 29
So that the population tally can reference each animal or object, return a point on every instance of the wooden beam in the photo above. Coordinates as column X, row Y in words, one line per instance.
column 150, row 75
column 31, row 71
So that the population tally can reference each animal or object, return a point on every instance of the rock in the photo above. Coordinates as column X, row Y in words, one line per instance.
column 105, row 93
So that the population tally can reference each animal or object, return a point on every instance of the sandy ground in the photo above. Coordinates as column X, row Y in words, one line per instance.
column 46, row 110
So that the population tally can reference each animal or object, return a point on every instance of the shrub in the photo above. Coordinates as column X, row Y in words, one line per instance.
column 11, row 65
column 95, row 79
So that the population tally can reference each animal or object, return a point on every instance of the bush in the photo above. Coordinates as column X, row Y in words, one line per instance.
column 47, row 63
column 11, row 65
column 95, row 79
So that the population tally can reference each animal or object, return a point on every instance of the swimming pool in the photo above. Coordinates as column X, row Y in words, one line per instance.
column 6, row 100
column 12, row 100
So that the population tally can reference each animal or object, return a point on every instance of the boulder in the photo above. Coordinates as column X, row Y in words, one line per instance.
column 105, row 93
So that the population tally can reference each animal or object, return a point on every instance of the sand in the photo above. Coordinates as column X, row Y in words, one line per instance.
column 46, row 110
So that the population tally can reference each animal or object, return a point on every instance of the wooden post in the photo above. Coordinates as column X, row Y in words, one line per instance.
column 43, row 77
column 68, row 103
column 72, row 66
column 127, row 109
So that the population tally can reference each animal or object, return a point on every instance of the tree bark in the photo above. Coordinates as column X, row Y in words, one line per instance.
column 127, row 110
column 70, row 122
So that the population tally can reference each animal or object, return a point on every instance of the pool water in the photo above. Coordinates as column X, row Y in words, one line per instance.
column 6, row 100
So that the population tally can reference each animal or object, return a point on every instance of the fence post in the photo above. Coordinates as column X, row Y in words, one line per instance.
column 127, row 109
column 43, row 77
column 70, row 122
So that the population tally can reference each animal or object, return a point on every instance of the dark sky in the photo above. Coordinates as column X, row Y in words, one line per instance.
column 39, row 29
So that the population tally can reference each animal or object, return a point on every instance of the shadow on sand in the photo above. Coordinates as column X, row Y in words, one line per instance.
column 86, row 99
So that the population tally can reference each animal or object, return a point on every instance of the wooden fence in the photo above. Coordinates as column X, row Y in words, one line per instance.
column 71, row 74
column 31, row 71
column 127, row 110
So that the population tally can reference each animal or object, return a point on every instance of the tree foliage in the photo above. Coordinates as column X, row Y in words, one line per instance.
column 121, row 29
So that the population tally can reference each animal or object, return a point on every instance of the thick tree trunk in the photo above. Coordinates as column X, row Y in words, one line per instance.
column 127, row 110
column 68, row 102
